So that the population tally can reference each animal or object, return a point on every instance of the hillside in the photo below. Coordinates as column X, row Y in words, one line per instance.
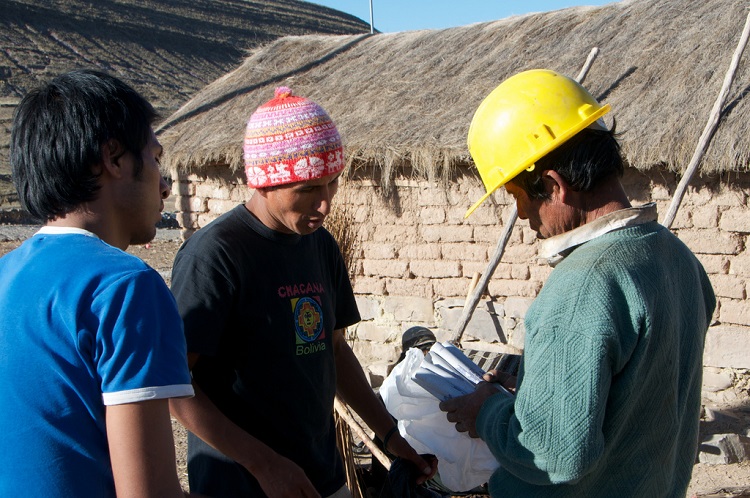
column 167, row 49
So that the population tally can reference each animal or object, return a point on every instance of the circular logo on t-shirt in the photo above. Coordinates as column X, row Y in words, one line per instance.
column 308, row 319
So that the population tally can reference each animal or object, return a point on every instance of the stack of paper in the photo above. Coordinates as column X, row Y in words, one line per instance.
column 447, row 372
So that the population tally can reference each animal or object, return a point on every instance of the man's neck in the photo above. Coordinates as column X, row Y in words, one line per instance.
column 86, row 219
column 607, row 198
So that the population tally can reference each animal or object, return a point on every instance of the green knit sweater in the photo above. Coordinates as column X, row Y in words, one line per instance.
column 608, row 397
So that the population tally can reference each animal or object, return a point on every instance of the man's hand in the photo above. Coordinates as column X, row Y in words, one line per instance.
column 463, row 410
column 353, row 389
column 398, row 446
column 281, row 478
column 506, row 380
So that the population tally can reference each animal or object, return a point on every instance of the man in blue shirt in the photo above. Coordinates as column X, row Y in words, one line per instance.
column 91, row 344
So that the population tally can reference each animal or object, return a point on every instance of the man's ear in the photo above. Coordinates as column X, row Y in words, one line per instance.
column 556, row 185
column 112, row 151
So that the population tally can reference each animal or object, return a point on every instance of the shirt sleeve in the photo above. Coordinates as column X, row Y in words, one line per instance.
column 140, row 349
column 205, row 296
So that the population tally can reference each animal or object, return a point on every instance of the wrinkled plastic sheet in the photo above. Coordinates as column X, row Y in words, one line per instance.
column 465, row 462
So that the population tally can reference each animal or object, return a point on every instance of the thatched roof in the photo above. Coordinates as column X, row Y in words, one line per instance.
column 167, row 49
column 408, row 98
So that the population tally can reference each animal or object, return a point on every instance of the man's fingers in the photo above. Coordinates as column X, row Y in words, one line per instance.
column 450, row 405
column 490, row 376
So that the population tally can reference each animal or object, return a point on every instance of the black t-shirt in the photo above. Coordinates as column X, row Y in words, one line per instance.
column 260, row 308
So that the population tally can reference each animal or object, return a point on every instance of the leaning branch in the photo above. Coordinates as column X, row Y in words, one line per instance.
column 343, row 411
column 709, row 130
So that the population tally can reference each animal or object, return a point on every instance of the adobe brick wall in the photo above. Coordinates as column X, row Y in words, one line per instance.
column 417, row 255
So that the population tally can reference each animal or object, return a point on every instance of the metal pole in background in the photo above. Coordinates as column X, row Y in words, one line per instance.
column 372, row 26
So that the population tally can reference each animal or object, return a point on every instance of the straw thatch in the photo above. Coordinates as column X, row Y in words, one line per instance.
column 408, row 98
column 166, row 49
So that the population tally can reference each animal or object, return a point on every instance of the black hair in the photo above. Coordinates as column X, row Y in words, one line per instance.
column 57, row 136
column 583, row 161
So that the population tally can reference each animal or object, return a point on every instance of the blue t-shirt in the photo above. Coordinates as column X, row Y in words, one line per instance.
column 84, row 325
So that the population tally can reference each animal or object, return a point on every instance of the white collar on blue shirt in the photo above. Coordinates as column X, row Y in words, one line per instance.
column 55, row 230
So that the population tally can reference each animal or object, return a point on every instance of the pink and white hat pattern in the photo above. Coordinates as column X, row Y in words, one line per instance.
column 290, row 139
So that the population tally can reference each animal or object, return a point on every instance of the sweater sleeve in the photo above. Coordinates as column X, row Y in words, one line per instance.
column 553, row 432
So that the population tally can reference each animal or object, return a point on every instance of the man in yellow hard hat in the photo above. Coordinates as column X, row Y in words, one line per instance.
column 608, row 396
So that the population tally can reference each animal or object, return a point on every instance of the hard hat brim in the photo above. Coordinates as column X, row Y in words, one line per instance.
column 564, row 137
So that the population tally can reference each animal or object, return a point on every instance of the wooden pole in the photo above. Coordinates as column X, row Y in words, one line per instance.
column 372, row 25
column 473, row 299
column 472, row 286
column 343, row 411
column 709, row 130
column 587, row 65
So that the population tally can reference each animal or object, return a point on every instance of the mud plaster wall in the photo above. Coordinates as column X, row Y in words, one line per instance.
column 416, row 255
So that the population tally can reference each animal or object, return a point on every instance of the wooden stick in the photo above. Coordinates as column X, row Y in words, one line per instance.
column 709, row 130
column 472, row 286
column 343, row 411
column 344, row 443
column 587, row 65
column 473, row 299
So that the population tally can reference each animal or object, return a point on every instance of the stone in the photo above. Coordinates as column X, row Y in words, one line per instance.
column 716, row 379
column 736, row 312
column 516, row 307
column 517, row 336
column 409, row 309
column 435, row 269
column 730, row 286
column 372, row 332
column 377, row 372
column 727, row 347
column 724, row 449
column 369, row 307
column 484, row 324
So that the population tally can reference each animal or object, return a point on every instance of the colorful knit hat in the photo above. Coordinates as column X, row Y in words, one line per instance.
column 290, row 139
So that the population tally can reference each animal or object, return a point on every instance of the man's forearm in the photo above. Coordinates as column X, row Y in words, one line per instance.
column 353, row 388
column 276, row 474
column 200, row 416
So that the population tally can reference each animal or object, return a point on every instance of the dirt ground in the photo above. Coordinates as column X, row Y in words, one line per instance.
column 727, row 417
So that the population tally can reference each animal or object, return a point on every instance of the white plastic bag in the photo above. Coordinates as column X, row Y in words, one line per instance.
column 465, row 462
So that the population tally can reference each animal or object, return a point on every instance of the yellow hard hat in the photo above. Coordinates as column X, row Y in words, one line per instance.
column 526, row 117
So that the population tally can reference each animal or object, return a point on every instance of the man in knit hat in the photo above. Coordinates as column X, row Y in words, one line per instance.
column 265, row 298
